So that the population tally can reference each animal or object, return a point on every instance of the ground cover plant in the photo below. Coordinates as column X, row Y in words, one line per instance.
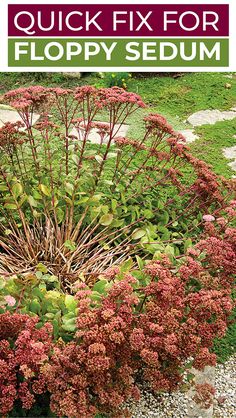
column 115, row 266
column 213, row 139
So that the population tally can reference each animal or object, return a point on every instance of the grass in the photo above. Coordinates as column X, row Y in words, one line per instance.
column 187, row 94
column 213, row 138
column 226, row 347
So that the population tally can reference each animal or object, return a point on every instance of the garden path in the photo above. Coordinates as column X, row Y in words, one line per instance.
column 230, row 154
column 94, row 136
column 210, row 117
column 7, row 114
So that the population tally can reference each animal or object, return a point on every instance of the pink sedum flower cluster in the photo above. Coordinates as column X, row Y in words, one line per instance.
column 23, row 350
column 176, row 317
column 134, row 333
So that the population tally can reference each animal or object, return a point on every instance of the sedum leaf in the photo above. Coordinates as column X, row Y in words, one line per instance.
column 32, row 201
column 106, row 220
column 10, row 206
column 69, row 188
column 100, row 286
column 17, row 189
column 45, row 190
column 138, row 233
column 70, row 245
column 70, row 302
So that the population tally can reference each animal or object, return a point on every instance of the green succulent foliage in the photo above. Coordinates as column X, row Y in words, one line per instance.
column 40, row 294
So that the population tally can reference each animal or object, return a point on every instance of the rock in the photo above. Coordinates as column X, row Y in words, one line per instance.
column 228, row 114
column 228, row 85
column 210, row 117
column 7, row 115
column 230, row 152
column 221, row 399
column 200, row 377
column 72, row 75
column 233, row 165
column 189, row 135
column 94, row 137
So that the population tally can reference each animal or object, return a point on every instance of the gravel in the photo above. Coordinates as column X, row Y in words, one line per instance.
column 176, row 405
column 225, row 397
column 163, row 406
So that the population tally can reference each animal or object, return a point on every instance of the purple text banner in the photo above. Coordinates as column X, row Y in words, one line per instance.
column 118, row 20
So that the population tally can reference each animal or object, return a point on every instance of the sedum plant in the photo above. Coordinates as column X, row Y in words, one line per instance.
column 152, row 323
column 23, row 351
column 79, row 208
column 40, row 294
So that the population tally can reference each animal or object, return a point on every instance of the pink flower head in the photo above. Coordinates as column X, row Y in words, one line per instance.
column 208, row 218
column 156, row 121
column 10, row 300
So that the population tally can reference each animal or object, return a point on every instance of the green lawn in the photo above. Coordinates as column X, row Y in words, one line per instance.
column 209, row 146
column 185, row 95
column 226, row 347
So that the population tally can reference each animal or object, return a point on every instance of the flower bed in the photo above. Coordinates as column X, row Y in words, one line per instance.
column 98, row 289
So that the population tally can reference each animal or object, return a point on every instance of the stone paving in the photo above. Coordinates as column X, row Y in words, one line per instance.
column 9, row 115
column 230, row 154
column 189, row 135
column 210, row 117
column 122, row 131
column 94, row 136
column 201, row 377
